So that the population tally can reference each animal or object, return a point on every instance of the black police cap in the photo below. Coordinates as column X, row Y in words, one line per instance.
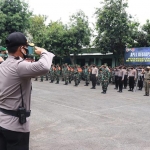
column 16, row 39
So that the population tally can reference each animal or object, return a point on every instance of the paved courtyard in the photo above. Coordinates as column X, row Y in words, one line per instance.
column 80, row 118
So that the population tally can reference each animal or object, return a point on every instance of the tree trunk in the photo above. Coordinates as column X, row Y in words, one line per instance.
column 72, row 60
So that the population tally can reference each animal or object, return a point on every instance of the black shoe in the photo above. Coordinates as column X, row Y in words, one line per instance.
column 130, row 90
column 85, row 85
column 102, row 92
column 145, row 95
column 119, row 91
column 93, row 88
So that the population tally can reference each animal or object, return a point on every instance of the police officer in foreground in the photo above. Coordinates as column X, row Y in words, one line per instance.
column 15, row 91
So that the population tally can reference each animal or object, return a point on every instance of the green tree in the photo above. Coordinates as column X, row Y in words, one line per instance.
column 55, row 37
column 77, row 36
column 38, row 30
column 65, row 40
column 113, row 27
column 139, row 36
column 15, row 14
column 144, row 38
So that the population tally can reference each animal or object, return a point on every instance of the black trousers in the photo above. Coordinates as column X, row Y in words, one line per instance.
column 125, row 81
column 93, row 78
column 116, row 82
column 140, row 82
column 120, row 83
column 131, row 83
column 11, row 140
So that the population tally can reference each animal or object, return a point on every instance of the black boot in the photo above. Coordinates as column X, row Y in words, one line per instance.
column 104, row 92
column 66, row 83
column 86, row 84
column 57, row 82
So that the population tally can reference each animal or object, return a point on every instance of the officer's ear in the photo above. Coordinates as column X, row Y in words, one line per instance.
column 22, row 50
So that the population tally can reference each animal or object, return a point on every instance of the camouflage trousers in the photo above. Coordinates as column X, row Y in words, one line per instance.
column 76, row 79
column 52, row 77
column 104, row 85
column 57, row 77
column 66, row 78
column 87, row 79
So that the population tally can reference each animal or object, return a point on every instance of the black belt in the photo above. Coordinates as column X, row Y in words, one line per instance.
column 13, row 112
column 147, row 79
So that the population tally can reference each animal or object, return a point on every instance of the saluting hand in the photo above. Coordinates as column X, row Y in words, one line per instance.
column 39, row 50
column 1, row 59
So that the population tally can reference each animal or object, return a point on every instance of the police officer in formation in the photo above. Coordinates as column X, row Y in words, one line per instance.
column 94, row 74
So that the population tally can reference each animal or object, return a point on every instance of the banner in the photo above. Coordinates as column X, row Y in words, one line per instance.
column 137, row 56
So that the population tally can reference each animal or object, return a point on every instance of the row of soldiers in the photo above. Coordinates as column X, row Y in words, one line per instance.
column 76, row 73
column 121, row 76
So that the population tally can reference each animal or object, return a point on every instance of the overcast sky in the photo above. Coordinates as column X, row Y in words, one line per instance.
column 62, row 9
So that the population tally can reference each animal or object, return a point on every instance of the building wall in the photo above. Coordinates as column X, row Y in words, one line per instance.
column 98, row 60
column 90, row 59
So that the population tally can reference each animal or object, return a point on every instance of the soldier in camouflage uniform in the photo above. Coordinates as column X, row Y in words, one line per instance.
column 99, row 76
column 62, row 72
column 57, row 74
column 76, row 76
column 41, row 78
column 79, row 73
column 105, row 79
column 66, row 74
column 70, row 74
column 52, row 75
column 36, row 78
column 46, row 76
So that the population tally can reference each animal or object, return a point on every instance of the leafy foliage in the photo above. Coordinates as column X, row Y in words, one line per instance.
column 15, row 17
column 38, row 29
column 112, row 26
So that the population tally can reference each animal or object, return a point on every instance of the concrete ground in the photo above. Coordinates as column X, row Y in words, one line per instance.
column 80, row 118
